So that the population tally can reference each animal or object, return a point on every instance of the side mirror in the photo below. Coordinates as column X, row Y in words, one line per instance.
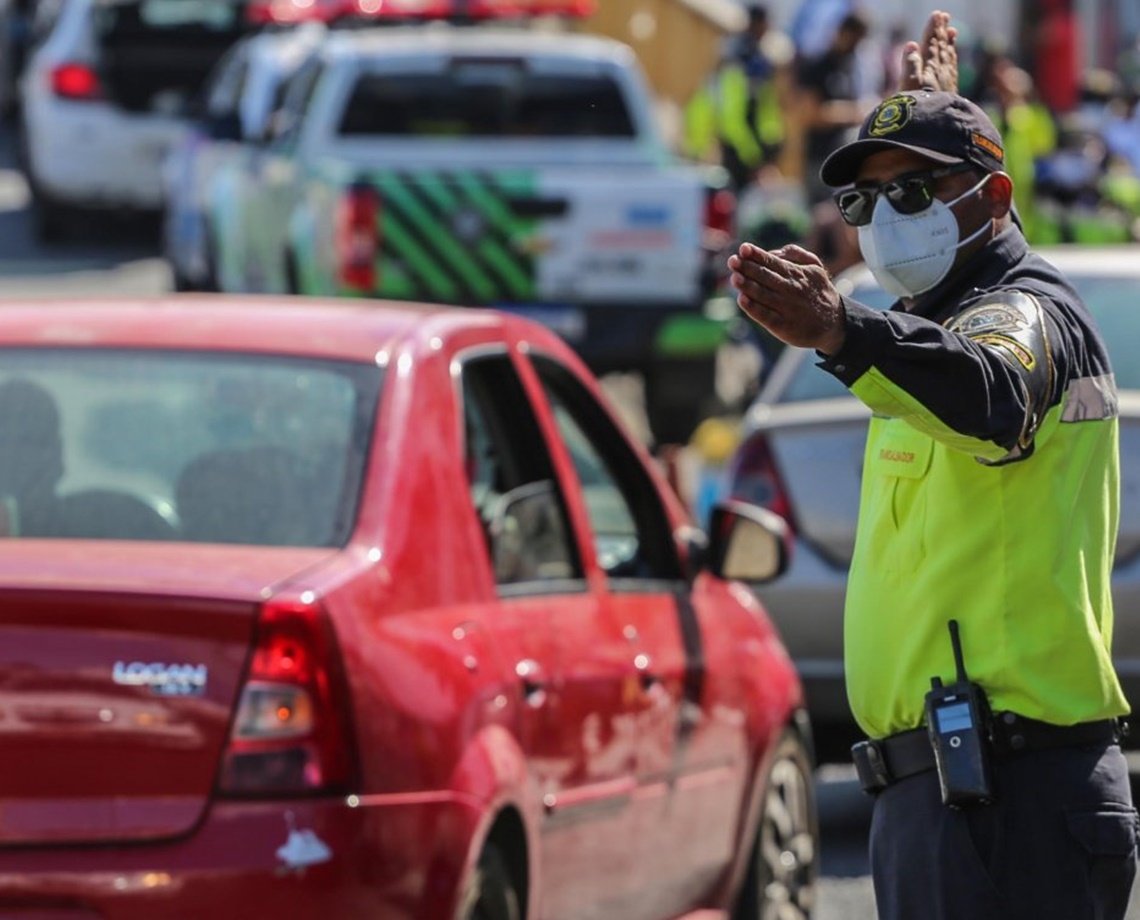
column 747, row 543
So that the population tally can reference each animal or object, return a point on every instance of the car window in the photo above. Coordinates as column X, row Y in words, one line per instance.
column 155, row 55
column 513, row 486
column 295, row 95
column 1112, row 302
column 632, row 537
column 492, row 99
column 182, row 446
column 224, row 88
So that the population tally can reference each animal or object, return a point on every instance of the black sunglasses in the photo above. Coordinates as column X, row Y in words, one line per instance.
column 908, row 194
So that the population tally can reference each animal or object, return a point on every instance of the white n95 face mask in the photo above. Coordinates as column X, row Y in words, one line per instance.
column 910, row 253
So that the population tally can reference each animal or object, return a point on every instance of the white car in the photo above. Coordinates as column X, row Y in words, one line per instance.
column 241, row 93
column 105, row 96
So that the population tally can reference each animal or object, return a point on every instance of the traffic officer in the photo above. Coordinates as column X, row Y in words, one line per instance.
column 989, row 498
column 741, row 108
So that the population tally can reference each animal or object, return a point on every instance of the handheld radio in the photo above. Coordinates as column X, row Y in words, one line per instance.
column 956, row 722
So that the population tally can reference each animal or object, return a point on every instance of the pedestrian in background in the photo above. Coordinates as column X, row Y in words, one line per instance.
column 742, row 109
column 830, row 103
column 990, row 498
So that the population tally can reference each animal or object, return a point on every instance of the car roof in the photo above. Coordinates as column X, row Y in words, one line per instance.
column 344, row 329
column 428, row 40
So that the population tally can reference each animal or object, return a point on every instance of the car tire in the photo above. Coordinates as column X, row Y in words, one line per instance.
column 784, row 863
column 491, row 893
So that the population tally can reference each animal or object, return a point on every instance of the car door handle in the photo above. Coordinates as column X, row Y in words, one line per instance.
column 534, row 681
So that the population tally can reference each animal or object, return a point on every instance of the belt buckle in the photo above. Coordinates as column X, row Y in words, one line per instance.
column 871, row 766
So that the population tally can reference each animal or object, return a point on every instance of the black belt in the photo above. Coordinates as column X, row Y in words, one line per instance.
column 882, row 762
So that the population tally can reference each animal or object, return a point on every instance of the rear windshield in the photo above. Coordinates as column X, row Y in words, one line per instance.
column 156, row 54
column 488, row 100
column 202, row 448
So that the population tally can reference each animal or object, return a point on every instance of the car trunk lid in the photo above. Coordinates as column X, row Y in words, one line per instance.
column 119, row 671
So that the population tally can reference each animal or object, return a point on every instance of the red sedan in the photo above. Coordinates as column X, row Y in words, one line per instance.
column 350, row 610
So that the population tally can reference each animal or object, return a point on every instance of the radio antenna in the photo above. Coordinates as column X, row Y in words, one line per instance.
column 956, row 644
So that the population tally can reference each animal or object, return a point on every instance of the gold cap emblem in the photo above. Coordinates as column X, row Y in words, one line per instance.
column 891, row 115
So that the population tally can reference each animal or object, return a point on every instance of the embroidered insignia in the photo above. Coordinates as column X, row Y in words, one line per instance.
column 1023, row 355
column 991, row 318
column 891, row 115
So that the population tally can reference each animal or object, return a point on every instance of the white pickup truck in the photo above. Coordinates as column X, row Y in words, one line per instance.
column 508, row 168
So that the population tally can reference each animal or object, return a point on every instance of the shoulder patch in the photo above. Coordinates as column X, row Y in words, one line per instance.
column 1011, row 325
column 1024, row 356
column 1006, row 311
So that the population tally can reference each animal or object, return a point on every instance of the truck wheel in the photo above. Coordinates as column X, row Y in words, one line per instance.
column 784, row 863
column 491, row 894
column 679, row 393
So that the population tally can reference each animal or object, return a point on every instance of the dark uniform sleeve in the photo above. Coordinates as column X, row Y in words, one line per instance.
column 982, row 383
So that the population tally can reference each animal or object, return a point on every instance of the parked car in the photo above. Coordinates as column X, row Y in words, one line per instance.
column 801, row 455
column 238, row 98
column 491, row 167
column 105, row 95
column 343, row 609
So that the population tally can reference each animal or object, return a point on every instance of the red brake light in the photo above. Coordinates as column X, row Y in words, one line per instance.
column 754, row 477
column 358, row 238
column 720, row 219
column 76, row 81
column 290, row 733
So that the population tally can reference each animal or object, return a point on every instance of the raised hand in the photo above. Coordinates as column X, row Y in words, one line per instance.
column 933, row 63
column 789, row 293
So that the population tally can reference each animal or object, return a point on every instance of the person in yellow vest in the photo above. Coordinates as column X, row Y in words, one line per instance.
column 1030, row 134
column 739, row 115
column 979, row 614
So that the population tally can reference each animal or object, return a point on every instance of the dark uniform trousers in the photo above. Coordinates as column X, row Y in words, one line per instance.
column 1060, row 843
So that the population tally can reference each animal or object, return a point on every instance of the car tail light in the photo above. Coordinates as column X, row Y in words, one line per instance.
column 754, row 477
column 291, row 732
column 720, row 219
column 358, row 238
column 76, row 81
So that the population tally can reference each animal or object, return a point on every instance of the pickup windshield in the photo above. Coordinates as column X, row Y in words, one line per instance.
column 487, row 100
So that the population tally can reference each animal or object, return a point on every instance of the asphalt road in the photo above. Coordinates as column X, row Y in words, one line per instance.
column 107, row 256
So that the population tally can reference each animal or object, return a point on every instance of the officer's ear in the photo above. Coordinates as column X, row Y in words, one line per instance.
column 998, row 194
